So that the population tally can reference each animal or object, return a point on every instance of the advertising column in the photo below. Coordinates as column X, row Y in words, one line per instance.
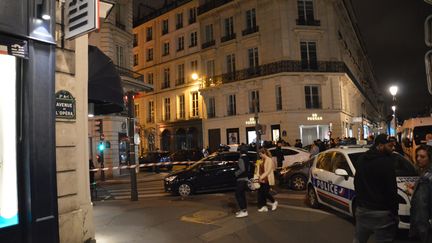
column 8, row 143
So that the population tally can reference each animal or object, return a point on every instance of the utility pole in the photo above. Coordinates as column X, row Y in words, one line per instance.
column 131, row 135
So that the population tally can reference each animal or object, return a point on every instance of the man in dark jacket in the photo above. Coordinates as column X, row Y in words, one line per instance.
column 242, row 181
column 376, row 190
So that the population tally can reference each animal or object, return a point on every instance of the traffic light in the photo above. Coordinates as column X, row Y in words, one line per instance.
column 99, row 125
column 101, row 146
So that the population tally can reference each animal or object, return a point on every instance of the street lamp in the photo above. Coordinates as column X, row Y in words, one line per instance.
column 393, row 91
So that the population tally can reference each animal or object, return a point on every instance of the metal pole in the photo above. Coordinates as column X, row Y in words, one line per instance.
column 131, row 133
column 102, row 166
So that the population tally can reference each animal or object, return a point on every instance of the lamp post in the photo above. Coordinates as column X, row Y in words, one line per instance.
column 393, row 91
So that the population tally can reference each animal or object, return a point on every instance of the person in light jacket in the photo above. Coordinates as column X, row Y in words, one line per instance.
column 421, row 202
column 266, row 179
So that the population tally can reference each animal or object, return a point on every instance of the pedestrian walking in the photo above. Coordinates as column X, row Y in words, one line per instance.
column 266, row 179
column 242, row 181
column 298, row 143
column 376, row 190
column 279, row 155
column 421, row 201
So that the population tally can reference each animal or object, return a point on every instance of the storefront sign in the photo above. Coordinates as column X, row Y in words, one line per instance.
column 81, row 17
column 251, row 121
column 13, row 47
column 65, row 105
column 314, row 117
column 356, row 119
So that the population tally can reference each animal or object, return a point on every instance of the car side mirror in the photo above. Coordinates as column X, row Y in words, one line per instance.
column 342, row 172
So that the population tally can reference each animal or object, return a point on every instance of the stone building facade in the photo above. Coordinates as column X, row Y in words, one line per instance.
column 301, row 61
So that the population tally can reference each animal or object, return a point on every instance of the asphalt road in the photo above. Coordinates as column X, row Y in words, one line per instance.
column 210, row 218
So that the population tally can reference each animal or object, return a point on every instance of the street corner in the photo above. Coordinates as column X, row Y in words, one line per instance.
column 204, row 216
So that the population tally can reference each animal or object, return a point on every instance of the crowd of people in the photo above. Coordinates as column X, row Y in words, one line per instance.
column 375, row 185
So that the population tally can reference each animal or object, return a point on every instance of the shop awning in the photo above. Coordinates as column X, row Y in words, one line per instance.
column 104, row 83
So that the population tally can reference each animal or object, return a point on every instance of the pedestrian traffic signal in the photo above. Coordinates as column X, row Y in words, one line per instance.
column 99, row 125
column 101, row 146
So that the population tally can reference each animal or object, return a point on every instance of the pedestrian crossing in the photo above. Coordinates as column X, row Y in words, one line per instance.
column 146, row 189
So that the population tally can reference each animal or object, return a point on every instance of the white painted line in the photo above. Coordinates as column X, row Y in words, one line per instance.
column 304, row 209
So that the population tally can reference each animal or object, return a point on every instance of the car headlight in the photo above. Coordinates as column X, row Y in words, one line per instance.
column 170, row 178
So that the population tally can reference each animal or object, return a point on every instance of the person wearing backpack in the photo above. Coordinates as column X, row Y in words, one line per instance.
column 242, row 181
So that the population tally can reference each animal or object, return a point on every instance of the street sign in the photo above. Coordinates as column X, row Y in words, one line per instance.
column 65, row 105
column 81, row 17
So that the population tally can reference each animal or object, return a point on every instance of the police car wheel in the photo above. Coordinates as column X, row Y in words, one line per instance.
column 184, row 190
column 312, row 198
column 298, row 182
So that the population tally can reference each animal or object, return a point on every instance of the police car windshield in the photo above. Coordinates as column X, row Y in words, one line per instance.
column 403, row 166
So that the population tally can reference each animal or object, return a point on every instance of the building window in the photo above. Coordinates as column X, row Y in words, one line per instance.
column 135, row 40
column 166, row 80
column 308, row 55
column 181, row 107
column 312, row 97
column 250, row 19
column 150, row 78
column 179, row 21
column 306, row 13
column 136, row 106
column 210, row 69
column 135, row 59
column 231, row 68
column 194, row 66
column 192, row 15
column 211, row 108
column 167, row 107
column 195, row 104
column 150, row 114
column 149, row 36
column 180, row 43
column 149, row 54
column 209, row 33
column 120, row 16
column 180, row 74
column 164, row 26
column 229, row 26
column 253, row 60
column 278, row 95
column 254, row 104
column 165, row 48
column 120, row 56
column 231, row 109
column 193, row 39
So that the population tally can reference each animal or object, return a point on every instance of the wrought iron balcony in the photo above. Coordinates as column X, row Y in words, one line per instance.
column 179, row 26
column 274, row 68
column 250, row 30
column 209, row 5
column 180, row 81
column 228, row 37
column 309, row 22
column 192, row 20
column 165, row 85
column 208, row 44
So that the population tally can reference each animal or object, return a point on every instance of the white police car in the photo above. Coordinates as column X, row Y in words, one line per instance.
column 331, row 181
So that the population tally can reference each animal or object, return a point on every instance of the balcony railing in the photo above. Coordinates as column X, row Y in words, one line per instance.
column 250, row 30
column 129, row 73
column 164, row 31
column 228, row 37
column 179, row 26
column 208, row 44
column 180, row 81
column 192, row 20
column 120, row 25
column 209, row 5
column 165, row 85
column 309, row 22
column 149, row 38
column 274, row 68
column 150, row 119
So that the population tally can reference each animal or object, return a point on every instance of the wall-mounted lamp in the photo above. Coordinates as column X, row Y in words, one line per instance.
column 90, row 110
column 105, row 7
column 43, row 9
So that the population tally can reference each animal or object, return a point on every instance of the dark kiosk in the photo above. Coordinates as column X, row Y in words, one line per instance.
column 28, row 190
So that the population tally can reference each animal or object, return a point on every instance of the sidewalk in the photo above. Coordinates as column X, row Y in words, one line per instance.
column 210, row 218
column 141, row 177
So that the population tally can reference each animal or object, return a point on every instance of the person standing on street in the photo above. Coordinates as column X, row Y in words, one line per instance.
column 421, row 201
column 266, row 179
column 242, row 181
column 376, row 190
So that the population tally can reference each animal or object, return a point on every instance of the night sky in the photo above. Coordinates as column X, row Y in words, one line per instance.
column 393, row 33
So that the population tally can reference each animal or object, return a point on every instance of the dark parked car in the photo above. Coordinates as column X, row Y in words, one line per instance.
column 215, row 172
column 296, row 175
column 186, row 155
column 155, row 157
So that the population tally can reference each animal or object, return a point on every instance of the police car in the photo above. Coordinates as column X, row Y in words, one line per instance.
column 331, row 181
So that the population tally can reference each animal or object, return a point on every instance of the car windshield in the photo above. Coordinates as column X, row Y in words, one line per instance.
column 420, row 133
column 403, row 166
